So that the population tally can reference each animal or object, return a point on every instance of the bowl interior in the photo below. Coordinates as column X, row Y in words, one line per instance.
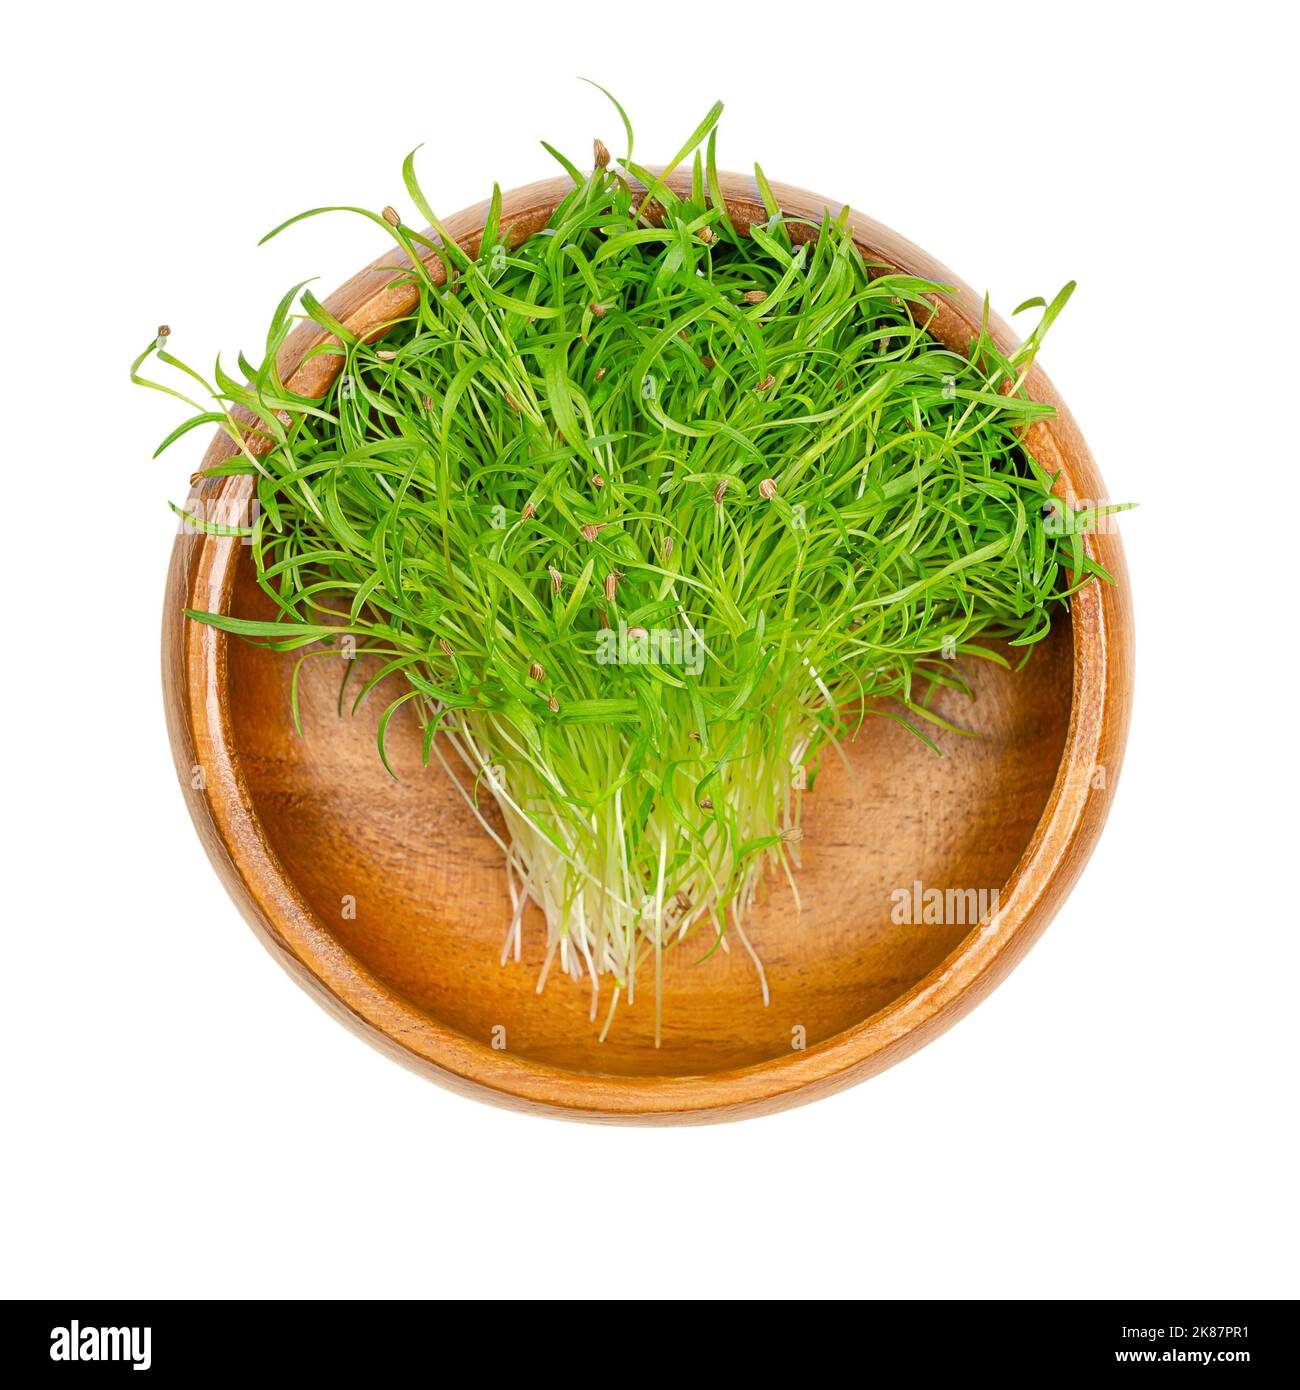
column 404, row 878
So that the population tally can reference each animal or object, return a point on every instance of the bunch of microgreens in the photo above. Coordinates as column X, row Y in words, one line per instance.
column 645, row 515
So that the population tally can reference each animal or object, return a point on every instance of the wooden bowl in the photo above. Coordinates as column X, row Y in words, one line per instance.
column 389, row 903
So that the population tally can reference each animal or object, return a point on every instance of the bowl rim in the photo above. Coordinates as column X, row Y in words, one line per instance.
column 196, row 696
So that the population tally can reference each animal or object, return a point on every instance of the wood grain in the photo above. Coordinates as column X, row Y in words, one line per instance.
column 388, row 902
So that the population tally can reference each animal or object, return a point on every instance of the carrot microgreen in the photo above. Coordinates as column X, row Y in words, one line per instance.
column 641, row 518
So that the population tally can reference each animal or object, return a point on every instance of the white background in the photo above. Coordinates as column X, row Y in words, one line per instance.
column 1118, row 1119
